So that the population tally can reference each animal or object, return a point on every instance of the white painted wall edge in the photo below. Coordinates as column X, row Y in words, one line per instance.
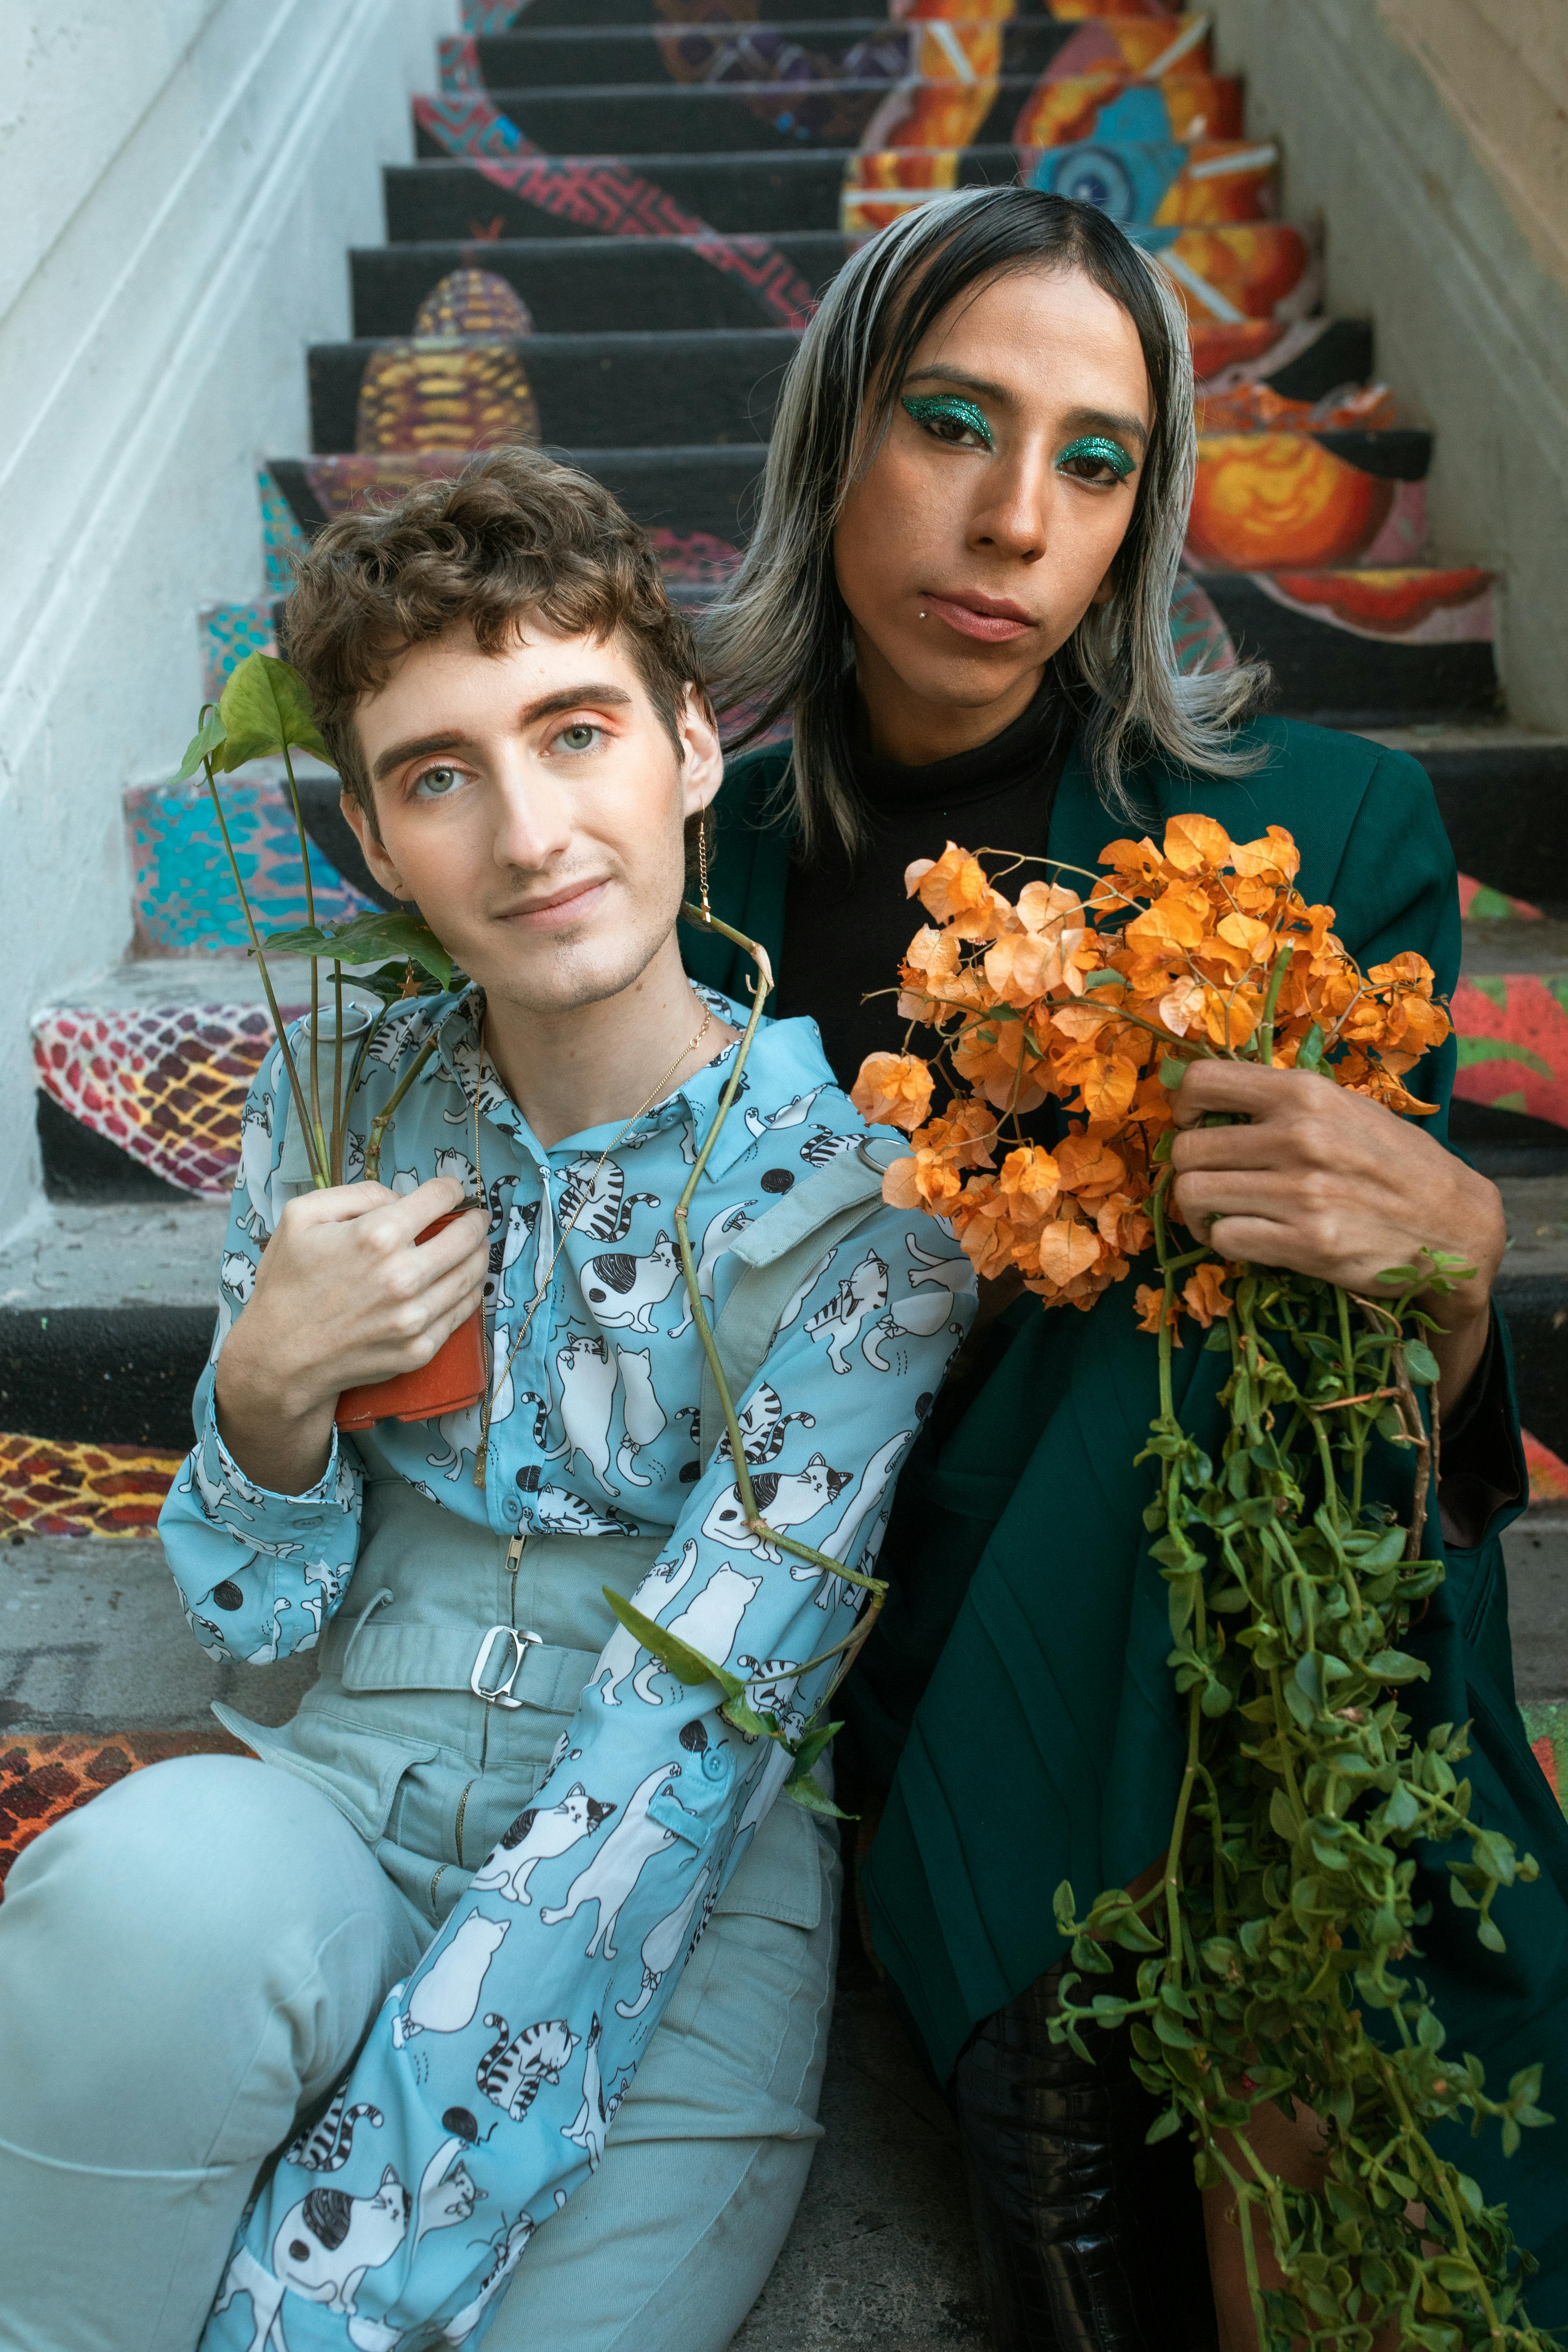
column 1471, row 332
column 156, row 352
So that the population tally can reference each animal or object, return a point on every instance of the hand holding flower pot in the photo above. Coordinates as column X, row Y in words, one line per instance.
column 264, row 713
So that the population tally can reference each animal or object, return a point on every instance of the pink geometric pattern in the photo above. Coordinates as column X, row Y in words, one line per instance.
column 605, row 196
column 166, row 1083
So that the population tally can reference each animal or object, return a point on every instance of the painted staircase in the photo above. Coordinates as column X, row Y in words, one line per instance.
column 619, row 217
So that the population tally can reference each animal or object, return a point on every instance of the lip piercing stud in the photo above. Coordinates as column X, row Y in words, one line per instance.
column 923, row 617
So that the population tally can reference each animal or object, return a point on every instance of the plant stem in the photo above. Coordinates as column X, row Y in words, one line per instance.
column 318, row 1172
column 315, row 968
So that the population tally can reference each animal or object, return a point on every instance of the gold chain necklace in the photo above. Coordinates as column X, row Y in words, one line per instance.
column 586, row 1194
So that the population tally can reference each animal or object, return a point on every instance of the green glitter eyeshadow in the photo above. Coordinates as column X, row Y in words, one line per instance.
column 946, row 408
column 1104, row 452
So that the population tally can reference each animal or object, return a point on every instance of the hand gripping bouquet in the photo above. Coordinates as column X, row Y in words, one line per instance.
column 1285, row 1913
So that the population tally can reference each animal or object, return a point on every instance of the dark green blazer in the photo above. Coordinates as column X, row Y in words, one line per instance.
column 1015, row 1697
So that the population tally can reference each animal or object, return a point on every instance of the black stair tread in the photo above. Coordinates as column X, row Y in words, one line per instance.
column 579, row 286
column 753, row 195
column 574, row 16
column 741, row 118
column 1503, row 795
column 562, row 56
column 1337, row 678
column 688, row 490
column 639, row 389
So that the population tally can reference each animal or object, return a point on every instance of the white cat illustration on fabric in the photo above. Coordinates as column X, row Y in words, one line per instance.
column 794, row 1114
column 446, row 1997
column 709, row 1624
column 924, row 1311
column 764, row 1423
column 322, row 2248
column 508, row 2249
column 538, row 1835
column 643, row 1416
column 613, row 1871
column 624, row 1291
column 593, row 2117
column 873, row 1482
column 720, row 1235
column 562, row 1513
column 618, row 1658
column 594, row 1201
column 328, row 2143
column 770, row 1686
column 662, row 1947
column 514, row 2067
column 864, row 1292
column 586, row 1371
column 785, row 1499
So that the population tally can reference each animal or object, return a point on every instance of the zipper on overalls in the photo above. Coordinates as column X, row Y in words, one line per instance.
column 513, row 1563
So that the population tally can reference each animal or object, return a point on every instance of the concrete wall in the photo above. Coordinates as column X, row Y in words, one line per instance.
column 179, row 180
column 1431, row 136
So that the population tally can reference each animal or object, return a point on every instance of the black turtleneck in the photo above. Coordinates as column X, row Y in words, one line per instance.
column 847, row 922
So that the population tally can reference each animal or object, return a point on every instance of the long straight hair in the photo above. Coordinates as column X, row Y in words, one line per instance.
column 776, row 642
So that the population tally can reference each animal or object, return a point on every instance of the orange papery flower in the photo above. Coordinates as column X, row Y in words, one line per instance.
column 1001, row 1058
column 1088, row 1168
column 1171, row 952
column 953, row 889
column 1202, row 1293
column 1149, row 1298
column 1138, row 863
column 892, row 1091
column 1272, row 857
column 1030, row 1182
column 1065, row 1248
column 1178, row 918
column 1047, row 908
column 1021, row 966
column 1195, row 842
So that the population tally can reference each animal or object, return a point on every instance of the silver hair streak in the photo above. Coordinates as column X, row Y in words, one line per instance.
column 776, row 642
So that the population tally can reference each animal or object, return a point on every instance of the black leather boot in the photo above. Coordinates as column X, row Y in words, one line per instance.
column 1090, row 2239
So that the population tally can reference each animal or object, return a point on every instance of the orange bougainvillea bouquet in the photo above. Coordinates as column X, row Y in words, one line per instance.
column 1286, row 1912
column 1201, row 947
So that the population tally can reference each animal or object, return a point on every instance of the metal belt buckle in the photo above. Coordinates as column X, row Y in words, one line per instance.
column 499, row 1694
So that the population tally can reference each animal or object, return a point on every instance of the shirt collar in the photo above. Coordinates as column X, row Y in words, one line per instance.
column 787, row 1060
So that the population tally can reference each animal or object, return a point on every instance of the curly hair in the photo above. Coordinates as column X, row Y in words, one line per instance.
column 516, row 532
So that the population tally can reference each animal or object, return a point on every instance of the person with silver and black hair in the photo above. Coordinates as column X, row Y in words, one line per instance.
column 958, row 593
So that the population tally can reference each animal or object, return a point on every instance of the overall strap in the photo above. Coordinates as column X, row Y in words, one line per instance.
column 779, row 1253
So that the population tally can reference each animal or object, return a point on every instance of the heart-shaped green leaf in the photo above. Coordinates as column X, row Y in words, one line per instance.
column 265, row 708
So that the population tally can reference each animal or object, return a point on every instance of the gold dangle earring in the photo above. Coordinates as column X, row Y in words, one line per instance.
column 702, row 864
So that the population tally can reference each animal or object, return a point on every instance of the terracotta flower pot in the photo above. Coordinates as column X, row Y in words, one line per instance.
column 453, row 1380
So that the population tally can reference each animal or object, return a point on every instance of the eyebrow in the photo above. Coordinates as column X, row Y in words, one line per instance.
column 570, row 697
column 1079, row 420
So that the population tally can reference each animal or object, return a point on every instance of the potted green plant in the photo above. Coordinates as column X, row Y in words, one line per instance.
column 264, row 713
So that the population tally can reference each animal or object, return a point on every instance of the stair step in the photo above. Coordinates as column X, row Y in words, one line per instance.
column 690, row 499
column 747, row 117
column 805, row 55
column 93, row 1639
column 1367, row 648
column 1503, row 791
column 823, row 188
column 645, row 390
column 182, row 891
column 1244, row 289
column 151, row 1064
column 580, row 16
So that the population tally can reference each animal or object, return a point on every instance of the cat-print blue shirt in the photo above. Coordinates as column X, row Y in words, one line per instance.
column 592, row 1433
